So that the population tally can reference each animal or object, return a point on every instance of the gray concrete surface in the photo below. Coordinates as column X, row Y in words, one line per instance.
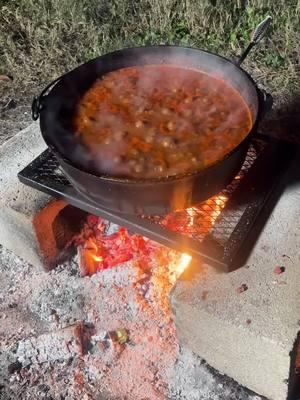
column 249, row 336
column 18, row 203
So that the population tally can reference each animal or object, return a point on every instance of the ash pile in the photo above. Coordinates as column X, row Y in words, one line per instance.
column 99, row 326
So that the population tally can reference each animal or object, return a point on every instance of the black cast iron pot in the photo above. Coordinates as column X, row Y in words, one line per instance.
column 56, row 107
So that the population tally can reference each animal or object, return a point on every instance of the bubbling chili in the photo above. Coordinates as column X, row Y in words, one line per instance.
column 157, row 121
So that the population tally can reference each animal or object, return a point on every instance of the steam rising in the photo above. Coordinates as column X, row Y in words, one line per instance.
column 156, row 121
column 106, row 157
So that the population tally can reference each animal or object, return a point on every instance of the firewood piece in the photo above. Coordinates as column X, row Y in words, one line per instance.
column 87, row 263
column 58, row 345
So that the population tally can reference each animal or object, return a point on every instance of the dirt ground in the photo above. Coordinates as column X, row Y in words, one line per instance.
column 15, row 110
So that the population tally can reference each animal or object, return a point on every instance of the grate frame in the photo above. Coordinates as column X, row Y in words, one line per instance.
column 228, row 241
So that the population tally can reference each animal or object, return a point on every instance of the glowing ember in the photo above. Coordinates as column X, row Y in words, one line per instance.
column 98, row 249
column 220, row 202
column 196, row 221
column 190, row 212
column 97, row 258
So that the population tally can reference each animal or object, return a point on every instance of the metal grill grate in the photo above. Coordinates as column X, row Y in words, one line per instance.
column 215, row 230
column 196, row 222
column 46, row 169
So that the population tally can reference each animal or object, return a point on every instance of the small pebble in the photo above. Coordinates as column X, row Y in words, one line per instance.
column 242, row 288
column 279, row 270
column 248, row 321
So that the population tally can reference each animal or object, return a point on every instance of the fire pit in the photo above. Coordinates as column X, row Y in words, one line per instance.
column 216, row 231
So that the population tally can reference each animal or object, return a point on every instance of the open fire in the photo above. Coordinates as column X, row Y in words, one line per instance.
column 101, row 247
column 184, row 230
column 197, row 220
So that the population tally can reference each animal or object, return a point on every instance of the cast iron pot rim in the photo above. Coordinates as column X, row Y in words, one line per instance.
column 176, row 177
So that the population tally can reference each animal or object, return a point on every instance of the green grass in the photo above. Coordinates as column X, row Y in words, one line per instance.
column 43, row 38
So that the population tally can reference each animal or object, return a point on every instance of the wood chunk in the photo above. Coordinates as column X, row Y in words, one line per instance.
column 87, row 262
column 58, row 345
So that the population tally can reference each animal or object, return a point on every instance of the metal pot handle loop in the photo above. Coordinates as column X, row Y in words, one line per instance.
column 38, row 101
column 266, row 100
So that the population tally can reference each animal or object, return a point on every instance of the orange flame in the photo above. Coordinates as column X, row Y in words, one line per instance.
column 191, row 213
column 184, row 261
column 202, row 218
column 179, row 266
column 90, row 245
column 220, row 202
column 96, row 258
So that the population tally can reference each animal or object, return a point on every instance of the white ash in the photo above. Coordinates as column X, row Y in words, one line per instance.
column 192, row 379
column 58, row 345
column 151, row 365
column 112, row 228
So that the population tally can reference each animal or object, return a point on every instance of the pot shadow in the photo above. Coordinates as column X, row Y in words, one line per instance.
column 283, row 124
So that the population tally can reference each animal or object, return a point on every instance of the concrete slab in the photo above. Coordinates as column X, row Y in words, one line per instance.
column 19, row 203
column 249, row 336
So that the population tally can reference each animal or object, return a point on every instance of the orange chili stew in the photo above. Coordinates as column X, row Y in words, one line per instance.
column 157, row 121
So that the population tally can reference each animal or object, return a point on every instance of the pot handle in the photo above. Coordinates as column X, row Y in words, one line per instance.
column 266, row 101
column 38, row 101
column 256, row 37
